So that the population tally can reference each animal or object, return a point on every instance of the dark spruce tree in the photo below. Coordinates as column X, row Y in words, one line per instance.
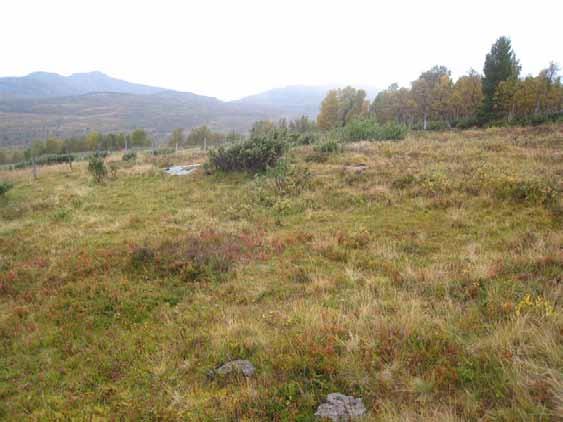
column 500, row 65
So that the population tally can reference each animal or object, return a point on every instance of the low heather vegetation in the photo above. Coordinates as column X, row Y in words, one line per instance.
column 422, row 276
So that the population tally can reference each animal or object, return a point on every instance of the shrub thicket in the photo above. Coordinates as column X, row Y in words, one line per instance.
column 129, row 156
column 254, row 155
column 47, row 160
column 307, row 138
column 5, row 187
column 163, row 151
column 370, row 130
column 329, row 146
column 97, row 168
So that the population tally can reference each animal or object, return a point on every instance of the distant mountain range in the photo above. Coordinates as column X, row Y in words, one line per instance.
column 42, row 105
column 49, row 85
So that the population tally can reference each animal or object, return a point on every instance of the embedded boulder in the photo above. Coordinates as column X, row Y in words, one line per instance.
column 357, row 168
column 339, row 407
column 239, row 366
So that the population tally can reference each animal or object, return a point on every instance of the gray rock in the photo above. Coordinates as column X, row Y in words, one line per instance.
column 240, row 366
column 357, row 168
column 181, row 170
column 339, row 407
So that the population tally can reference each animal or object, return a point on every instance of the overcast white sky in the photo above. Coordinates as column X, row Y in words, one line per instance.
column 232, row 48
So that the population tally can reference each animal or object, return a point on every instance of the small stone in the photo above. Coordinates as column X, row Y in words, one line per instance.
column 357, row 168
column 241, row 366
column 339, row 407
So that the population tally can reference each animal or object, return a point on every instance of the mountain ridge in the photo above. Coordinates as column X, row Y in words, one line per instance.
column 43, row 104
column 46, row 85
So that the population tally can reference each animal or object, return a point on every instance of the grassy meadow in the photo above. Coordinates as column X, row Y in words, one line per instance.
column 427, row 283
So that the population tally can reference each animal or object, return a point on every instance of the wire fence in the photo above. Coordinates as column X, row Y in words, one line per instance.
column 69, row 158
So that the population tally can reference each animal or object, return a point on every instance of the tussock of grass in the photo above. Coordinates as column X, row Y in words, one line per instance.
column 429, row 284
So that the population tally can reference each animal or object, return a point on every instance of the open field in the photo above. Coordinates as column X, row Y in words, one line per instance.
column 428, row 284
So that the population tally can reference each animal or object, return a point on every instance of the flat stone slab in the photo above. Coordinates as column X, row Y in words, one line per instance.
column 181, row 170
column 339, row 407
column 236, row 366
column 357, row 168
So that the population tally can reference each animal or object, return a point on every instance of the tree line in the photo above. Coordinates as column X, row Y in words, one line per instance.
column 94, row 141
column 499, row 96
column 97, row 141
column 200, row 137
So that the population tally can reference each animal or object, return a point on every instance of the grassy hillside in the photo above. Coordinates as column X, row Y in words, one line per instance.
column 428, row 284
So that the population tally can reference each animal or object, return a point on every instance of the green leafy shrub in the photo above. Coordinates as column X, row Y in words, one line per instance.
column 286, row 179
column 404, row 182
column 370, row 130
column 254, row 155
column 113, row 167
column 323, row 150
column 129, row 156
column 527, row 191
column 361, row 130
column 329, row 146
column 97, row 168
column 431, row 125
column 306, row 138
column 163, row 151
column 47, row 160
column 435, row 183
column 468, row 123
column 101, row 154
column 505, row 185
column 392, row 132
column 5, row 187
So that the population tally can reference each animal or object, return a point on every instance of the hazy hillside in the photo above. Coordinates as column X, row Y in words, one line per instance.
column 44, row 84
column 295, row 99
column 24, row 120
column 43, row 105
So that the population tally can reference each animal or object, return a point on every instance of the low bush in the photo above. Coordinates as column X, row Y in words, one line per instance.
column 5, row 187
column 467, row 123
column 285, row 179
column 129, row 156
column 163, row 151
column 323, row 150
column 329, row 146
column 113, row 167
column 392, row 132
column 527, row 191
column 431, row 125
column 361, row 130
column 101, row 154
column 141, row 256
column 206, row 256
column 97, row 168
column 370, row 130
column 47, row 160
column 254, row 155
column 404, row 182
column 306, row 138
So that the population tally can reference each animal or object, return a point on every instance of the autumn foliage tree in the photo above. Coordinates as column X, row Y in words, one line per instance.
column 340, row 106
column 328, row 115
column 467, row 96
column 499, row 95
column 532, row 97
